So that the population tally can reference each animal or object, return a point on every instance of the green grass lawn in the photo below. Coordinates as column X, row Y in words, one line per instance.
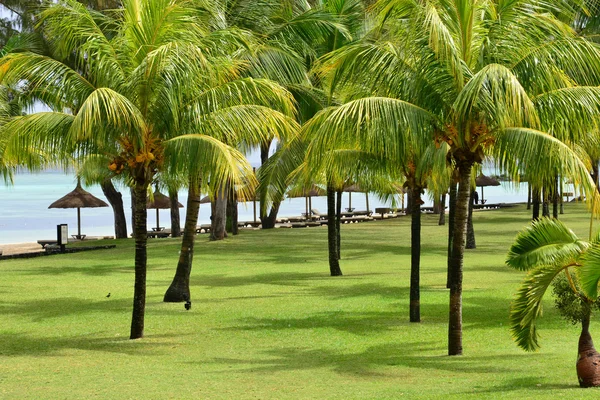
column 267, row 322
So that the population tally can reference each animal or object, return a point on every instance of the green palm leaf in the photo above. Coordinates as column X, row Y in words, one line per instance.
column 546, row 242
column 589, row 273
column 527, row 305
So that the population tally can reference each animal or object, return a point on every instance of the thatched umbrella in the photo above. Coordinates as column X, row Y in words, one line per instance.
column 78, row 199
column 307, row 194
column 160, row 201
column 205, row 200
column 352, row 189
column 482, row 181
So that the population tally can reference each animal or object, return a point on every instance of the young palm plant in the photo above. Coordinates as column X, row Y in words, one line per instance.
column 152, row 90
column 549, row 250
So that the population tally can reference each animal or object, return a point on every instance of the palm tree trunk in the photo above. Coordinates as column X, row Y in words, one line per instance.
column 415, row 256
column 219, row 217
column 560, row 196
column 332, row 237
column 116, row 201
column 456, row 260
column 528, row 195
column 139, row 233
column 588, row 361
column 535, row 199
column 232, row 212
column 595, row 173
column 175, row 217
column 451, row 212
column 436, row 205
column 338, row 223
column 546, row 202
column 470, row 231
column 268, row 220
column 555, row 198
column 442, row 220
column 132, row 192
column 179, row 290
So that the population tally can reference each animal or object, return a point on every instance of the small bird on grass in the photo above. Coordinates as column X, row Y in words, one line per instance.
column 188, row 305
column 108, row 295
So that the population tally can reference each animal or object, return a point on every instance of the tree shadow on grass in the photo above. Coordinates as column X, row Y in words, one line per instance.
column 370, row 362
column 530, row 383
column 21, row 344
column 279, row 278
column 72, row 267
column 40, row 310
column 479, row 313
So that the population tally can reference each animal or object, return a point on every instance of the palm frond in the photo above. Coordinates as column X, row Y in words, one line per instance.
column 201, row 155
column 541, row 157
column 569, row 113
column 246, row 125
column 37, row 139
column 496, row 92
column 526, row 307
column 378, row 126
column 589, row 273
column 104, row 116
column 546, row 242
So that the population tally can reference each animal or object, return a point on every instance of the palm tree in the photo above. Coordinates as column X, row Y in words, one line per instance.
column 467, row 79
column 548, row 250
column 158, row 93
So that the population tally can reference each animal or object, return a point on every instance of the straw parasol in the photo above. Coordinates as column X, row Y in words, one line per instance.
column 78, row 199
column 355, row 189
column 482, row 181
column 307, row 194
column 159, row 202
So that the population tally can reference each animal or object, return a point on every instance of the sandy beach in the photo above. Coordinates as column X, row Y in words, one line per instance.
column 20, row 248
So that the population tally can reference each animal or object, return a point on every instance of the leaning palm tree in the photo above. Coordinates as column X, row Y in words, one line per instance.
column 552, row 253
column 158, row 92
column 489, row 79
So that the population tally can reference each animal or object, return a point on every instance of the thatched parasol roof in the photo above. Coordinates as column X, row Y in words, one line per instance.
column 78, row 198
column 354, row 189
column 483, row 180
column 205, row 200
column 314, row 191
column 161, row 201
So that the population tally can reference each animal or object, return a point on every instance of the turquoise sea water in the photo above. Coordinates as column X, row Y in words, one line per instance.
column 25, row 216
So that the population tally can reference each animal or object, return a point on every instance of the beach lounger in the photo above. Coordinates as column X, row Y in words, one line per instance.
column 204, row 228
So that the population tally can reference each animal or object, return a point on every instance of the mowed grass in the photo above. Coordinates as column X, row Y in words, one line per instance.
column 267, row 322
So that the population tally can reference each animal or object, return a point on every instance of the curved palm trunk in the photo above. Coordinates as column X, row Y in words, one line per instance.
column 115, row 199
column 456, row 259
column 451, row 212
column 268, row 220
column 588, row 361
column 141, row 256
column 175, row 217
column 180, row 287
column 470, row 231
column 338, row 223
column 415, row 256
column 332, row 237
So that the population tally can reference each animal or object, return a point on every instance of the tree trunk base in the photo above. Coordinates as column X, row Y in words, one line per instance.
column 588, row 368
column 178, row 292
